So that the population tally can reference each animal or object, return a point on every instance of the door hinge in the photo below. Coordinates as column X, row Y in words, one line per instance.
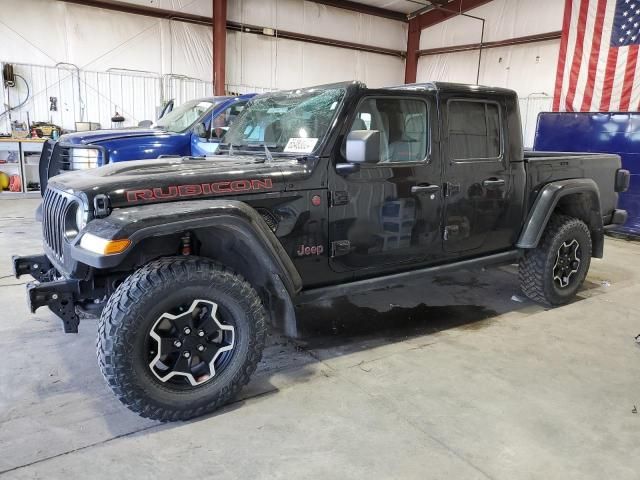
column 339, row 198
column 340, row 247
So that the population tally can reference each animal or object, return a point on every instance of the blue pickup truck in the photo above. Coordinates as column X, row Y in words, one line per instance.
column 611, row 132
column 191, row 129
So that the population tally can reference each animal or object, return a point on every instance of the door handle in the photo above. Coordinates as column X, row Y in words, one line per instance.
column 493, row 183
column 425, row 189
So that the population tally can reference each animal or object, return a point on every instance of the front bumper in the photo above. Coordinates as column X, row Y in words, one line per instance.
column 60, row 295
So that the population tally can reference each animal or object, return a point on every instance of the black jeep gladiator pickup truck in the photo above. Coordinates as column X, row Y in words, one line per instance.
column 313, row 193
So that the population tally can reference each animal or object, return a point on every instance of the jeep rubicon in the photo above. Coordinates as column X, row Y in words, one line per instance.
column 313, row 193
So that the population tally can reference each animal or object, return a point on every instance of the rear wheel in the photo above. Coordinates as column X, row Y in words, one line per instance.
column 553, row 272
column 180, row 337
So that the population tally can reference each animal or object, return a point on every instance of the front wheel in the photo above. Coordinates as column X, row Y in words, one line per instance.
column 180, row 337
column 552, row 273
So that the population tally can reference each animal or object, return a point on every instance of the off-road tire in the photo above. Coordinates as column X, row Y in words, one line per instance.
column 133, row 309
column 536, row 268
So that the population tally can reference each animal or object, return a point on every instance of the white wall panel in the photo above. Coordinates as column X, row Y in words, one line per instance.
column 100, row 39
column 458, row 67
column 271, row 64
column 33, row 30
column 504, row 19
column 528, row 68
column 320, row 20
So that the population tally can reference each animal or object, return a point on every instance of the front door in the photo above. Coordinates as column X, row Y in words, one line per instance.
column 389, row 213
column 216, row 125
column 476, row 177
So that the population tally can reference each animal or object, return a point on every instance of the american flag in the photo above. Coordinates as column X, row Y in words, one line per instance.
column 598, row 68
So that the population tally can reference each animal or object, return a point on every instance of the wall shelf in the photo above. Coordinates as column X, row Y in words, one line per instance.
column 21, row 159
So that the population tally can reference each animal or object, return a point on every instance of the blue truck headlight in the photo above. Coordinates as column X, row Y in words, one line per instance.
column 84, row 158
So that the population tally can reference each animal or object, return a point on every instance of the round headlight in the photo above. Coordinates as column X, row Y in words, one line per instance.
column 82, row 216
column 75, row 220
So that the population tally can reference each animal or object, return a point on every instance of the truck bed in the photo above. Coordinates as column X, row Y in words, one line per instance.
column 544, row 167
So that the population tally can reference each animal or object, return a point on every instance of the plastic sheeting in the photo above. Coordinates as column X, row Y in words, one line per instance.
column 504, row 19
column 320, row 20
column 277, row 64
column 272, row 63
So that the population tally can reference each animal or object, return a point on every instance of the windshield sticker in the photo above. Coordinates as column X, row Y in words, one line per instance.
column 300, row 145
column 278, row 110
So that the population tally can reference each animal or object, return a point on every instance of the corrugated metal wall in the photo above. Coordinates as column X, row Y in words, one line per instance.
column 95, row 96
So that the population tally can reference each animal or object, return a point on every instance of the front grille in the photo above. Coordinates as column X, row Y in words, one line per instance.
column 54, row 207
column 43, row 167
column 54, row 160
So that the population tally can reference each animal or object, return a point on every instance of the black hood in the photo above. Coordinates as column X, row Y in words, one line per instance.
column 170, row 179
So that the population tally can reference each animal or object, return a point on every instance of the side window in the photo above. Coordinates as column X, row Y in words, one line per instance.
column 225, row 118
column 402, row 123
column 474, row 130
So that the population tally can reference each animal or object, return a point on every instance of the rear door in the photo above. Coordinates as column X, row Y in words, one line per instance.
column 476, row 179
column 388, row 214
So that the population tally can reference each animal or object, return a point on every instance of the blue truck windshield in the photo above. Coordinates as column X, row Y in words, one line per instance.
column 182, row 117
column 293, row 122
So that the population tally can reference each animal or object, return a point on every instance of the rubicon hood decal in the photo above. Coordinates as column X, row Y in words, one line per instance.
column 194, row 190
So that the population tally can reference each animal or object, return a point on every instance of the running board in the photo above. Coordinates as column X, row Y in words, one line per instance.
column 361, row 286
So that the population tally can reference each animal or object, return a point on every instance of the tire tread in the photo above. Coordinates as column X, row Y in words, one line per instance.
column 114, row 325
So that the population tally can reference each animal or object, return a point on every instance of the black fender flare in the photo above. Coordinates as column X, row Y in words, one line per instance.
column 546, row 202
column 142, row 222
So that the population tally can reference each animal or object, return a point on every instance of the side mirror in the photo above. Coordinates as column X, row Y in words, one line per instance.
column 363, row 146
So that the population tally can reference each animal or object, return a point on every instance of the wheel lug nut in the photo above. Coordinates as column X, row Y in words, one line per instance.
column 186, row 354
column 177, row 344
column 187, row 330
column 200, row 348
column 201, row 333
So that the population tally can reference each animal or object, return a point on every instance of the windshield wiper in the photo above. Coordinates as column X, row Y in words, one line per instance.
column 267, row 153
column 250, row 148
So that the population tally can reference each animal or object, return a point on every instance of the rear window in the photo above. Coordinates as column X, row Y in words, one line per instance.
column 474, row 130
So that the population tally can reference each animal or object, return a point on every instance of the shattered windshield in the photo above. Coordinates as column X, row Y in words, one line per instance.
column 290, row 122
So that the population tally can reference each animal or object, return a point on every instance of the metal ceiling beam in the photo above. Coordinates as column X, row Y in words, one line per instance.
column 452, row 9
column 118, row 6
column 540, row 37
column 363, row 8
column 124, row 7
column 303, row 37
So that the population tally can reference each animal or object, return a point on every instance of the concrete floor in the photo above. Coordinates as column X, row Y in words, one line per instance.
column 445, row 378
